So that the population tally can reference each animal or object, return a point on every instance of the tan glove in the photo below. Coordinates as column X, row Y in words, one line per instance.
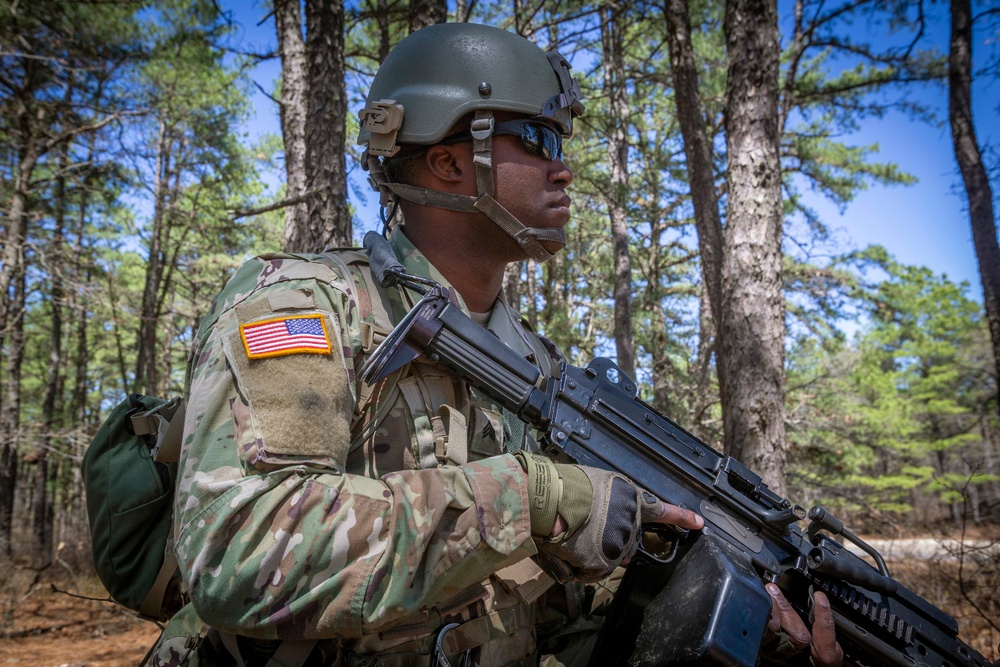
column 603, row 512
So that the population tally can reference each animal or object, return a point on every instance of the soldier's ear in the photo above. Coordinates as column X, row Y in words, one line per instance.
column 450, row 163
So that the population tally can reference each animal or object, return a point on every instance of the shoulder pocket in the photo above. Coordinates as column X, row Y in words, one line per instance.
column 289, row 368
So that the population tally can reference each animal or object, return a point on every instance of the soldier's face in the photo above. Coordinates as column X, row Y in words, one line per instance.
column 531, row 187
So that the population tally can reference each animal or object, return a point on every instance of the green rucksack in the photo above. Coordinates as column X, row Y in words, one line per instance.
column 129, row 472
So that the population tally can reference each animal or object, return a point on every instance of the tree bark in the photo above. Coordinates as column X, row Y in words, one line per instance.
column 752, row 317
column 10, row 414
column 146, row 366
column 78, row 306
column 423, row 13
column 701, row 178
column 294, row 85
column 660, row 363
column 970, row 164
column 12, row 300
column 618, row 194
column 329, row 219
column 383, row 19
column 12, row 262
column 42, row 519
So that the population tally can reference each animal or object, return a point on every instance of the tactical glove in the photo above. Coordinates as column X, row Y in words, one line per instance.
column 603, row 512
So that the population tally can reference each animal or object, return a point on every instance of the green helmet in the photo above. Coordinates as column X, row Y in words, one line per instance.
column 443, row 72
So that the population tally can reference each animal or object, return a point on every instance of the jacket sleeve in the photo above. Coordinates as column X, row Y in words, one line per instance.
column 274, row 539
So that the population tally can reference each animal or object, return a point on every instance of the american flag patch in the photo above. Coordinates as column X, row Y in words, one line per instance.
column 295, row 334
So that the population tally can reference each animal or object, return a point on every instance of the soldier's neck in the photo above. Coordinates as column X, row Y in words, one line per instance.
column 470, row 266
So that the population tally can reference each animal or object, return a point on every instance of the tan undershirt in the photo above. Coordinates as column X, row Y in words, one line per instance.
column 481, row 318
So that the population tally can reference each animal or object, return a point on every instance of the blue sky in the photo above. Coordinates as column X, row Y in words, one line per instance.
column 924, row 224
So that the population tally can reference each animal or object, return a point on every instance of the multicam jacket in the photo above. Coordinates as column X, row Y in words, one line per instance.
column 284, row 530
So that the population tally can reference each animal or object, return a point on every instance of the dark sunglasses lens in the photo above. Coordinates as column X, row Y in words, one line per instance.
column 541, row 140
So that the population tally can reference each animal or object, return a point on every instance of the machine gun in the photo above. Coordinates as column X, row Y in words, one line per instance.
column 701, row 599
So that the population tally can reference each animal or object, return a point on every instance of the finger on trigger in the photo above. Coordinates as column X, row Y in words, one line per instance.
column 655, row 510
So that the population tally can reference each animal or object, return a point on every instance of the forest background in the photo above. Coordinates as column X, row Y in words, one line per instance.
column 144, row 156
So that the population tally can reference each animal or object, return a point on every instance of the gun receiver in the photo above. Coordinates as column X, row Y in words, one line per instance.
column 702, row 601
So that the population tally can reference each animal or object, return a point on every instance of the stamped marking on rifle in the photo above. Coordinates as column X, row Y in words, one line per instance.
column 730, row 526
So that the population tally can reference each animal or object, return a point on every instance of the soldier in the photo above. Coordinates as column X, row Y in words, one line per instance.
column 322, row 521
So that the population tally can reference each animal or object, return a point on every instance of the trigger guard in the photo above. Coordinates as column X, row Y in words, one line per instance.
column 670, row 534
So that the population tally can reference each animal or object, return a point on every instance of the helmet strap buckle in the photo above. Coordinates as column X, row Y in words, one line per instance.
column 482, row 128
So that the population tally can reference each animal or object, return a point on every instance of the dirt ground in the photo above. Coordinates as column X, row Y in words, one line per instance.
column 48, row 628
column 42, row 625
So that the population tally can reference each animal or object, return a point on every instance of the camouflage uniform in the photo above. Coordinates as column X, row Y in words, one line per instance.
column 284, row 530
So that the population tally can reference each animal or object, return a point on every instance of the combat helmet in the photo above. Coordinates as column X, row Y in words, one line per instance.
column 441, row 73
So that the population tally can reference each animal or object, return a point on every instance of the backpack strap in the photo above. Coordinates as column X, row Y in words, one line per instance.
column 152, row 605
column 167, row 422
column 376, row 323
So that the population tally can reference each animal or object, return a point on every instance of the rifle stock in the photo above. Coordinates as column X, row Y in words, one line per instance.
column 702, row 601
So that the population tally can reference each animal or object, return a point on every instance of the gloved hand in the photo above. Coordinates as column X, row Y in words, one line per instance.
column 600, row 512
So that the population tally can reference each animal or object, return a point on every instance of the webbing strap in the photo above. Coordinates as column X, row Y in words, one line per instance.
column 378, row 313
column 524, row 236
column 482, row 146
column 152, row 604
column 376, row 324
column 482, row 149
column 385, row 407
column 527, row 237
column 526, row 579
column 451, row 436
column 423, row 428
column 480, row 630
column 167, row 422
column 170, row 434
column 458, row 638
column 425, row 197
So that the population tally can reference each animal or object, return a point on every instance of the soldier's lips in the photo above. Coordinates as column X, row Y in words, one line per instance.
column 562, row 205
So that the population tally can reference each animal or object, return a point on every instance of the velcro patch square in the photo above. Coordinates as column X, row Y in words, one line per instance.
column 294, row 334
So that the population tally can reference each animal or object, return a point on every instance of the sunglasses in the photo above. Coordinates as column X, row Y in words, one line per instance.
column 538, row 138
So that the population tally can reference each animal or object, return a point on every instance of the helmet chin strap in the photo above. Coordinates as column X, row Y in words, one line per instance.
column 528, row 238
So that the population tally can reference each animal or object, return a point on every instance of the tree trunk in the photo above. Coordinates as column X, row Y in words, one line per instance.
column 752, row 317
column 618, row 194
column 531, row 293
column 701, row 178
column 78, row 304
column 10, row 415
column 970, row 163
column 294, row 84
column 697, row 147
column 660, row 364
column 42, row 519
column 146, row 366
column 12, row 260
column 512, row 284
column 423, row 13
column 704, row 397
column 383, row 19
column 12, row 319
column 329, row 219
